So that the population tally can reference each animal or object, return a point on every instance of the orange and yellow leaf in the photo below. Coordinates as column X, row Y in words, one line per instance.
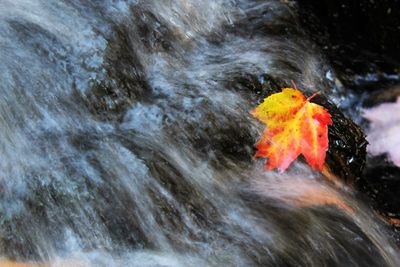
column 294, row 126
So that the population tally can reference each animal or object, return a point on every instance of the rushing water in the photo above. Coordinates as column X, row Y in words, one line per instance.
column 125, row 140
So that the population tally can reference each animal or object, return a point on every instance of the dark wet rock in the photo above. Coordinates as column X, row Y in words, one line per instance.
column 356, row 36
column 213, row 137
column 256, row 88
column 347, row 144
column 124, row 82
column 261, row 20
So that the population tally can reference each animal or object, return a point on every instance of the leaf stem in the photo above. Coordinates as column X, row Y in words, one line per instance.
column 294, row 85
column 313, row 95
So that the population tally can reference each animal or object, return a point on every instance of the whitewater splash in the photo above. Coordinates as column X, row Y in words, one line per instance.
column 125, row 140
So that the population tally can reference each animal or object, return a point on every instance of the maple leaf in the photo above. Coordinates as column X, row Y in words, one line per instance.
column 384, row 132
column 294, row 126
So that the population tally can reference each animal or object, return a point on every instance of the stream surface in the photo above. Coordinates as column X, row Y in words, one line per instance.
column 126, row 140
